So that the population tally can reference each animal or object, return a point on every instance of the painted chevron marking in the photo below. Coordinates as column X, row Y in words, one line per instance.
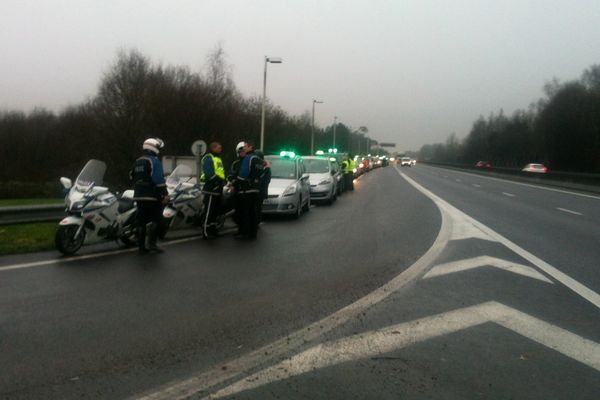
column 485, row 261
column 392, row 338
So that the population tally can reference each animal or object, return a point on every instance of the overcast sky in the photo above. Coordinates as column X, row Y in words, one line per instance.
column 411, row 71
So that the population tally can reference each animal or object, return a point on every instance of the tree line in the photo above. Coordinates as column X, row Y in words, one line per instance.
column 136, row 99
column 561, row 130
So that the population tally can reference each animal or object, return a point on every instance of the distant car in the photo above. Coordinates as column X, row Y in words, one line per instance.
column 289, row 190
column 483, row 164
column 323, row 178
column 535, row 168
column 413, row 162
column 364, row 165
column 406, row 162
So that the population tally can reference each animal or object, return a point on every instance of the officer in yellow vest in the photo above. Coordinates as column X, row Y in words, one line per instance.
column 348, row 165
column 213, row 176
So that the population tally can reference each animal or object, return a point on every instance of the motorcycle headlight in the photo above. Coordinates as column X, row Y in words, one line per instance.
column 325, row 182
column 290, row 190
column 78, row 205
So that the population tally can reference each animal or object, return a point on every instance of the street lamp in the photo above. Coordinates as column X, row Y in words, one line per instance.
column 312, row 127
column 272, row 60
column 334, row 126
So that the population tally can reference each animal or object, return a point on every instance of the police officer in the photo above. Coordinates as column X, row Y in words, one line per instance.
column 150, row 194
column 234, row 183
column 213, row 176
column 247, row 187
column 265, row 180
column 348, row 165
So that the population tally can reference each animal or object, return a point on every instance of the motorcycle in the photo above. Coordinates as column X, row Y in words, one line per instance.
column 94, row 213
column 185, row 202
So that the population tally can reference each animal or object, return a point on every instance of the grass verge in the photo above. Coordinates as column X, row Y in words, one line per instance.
column 26, row 238
column 28, row 202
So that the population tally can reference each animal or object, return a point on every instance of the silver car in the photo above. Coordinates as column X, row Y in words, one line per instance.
column 323, row 179
column 289, row 190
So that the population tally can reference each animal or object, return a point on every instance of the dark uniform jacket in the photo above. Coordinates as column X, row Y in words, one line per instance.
column 148, row 178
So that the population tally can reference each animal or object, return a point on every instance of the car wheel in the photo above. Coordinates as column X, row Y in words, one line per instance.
column 296, row 215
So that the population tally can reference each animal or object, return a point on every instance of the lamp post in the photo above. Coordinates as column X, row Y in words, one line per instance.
column 272, row 60
column 312, row 127
column 334, row 126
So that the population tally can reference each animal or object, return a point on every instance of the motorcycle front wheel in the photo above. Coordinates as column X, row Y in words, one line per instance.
column 65, row 239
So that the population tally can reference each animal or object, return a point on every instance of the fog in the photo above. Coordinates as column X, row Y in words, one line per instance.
column 411, row 71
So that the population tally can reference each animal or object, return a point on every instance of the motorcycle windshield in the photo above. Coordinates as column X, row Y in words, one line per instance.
column 91, row 174
column 180, row 173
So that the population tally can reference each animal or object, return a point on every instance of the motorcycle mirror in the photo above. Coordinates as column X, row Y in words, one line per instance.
column 66, row 182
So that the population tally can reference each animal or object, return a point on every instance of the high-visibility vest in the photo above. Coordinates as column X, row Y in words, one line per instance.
column 348, row 166
column 217, row 165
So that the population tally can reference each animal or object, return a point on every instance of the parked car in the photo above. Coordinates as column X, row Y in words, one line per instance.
column 289, row 190
column 535, row 168
column 323, row 178
column 483, row 164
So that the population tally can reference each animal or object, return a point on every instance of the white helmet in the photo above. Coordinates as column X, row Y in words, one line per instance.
column 153, row 144
column 240, row 147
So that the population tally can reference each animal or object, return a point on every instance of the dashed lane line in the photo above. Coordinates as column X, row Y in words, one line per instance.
column 508, row 194
column 568, row 211
column 476, row 185
column 589, row 196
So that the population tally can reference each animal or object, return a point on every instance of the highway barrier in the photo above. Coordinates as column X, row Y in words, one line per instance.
column 29, row 214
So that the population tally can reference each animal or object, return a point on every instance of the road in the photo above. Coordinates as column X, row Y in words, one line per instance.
column 423, row 283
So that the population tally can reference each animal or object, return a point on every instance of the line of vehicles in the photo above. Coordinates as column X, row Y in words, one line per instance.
column 95, row 214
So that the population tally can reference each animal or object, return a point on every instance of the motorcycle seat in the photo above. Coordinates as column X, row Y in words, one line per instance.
column 125, row 204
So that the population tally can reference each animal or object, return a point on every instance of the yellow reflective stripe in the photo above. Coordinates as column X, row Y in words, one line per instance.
column 219, row 169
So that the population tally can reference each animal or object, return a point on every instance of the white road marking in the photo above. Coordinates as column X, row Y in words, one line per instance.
column 87, row 256
column 183, row 389
column 569, row 211
column 590, row 196
column 393, row 338
column 455, row 224
column 455, row 214
column 508, row 194
column 476, row 185
column 485, row 261
column 458, row 180
column 464, row 229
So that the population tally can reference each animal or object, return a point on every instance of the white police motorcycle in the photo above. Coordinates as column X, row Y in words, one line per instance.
column 185, row 205
column 94, row 213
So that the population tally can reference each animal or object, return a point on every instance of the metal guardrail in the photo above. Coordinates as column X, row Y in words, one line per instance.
column 569, row 180
column 27, row 214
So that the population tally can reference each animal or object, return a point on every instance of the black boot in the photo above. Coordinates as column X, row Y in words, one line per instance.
column 141, row 234
column 152, row 237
